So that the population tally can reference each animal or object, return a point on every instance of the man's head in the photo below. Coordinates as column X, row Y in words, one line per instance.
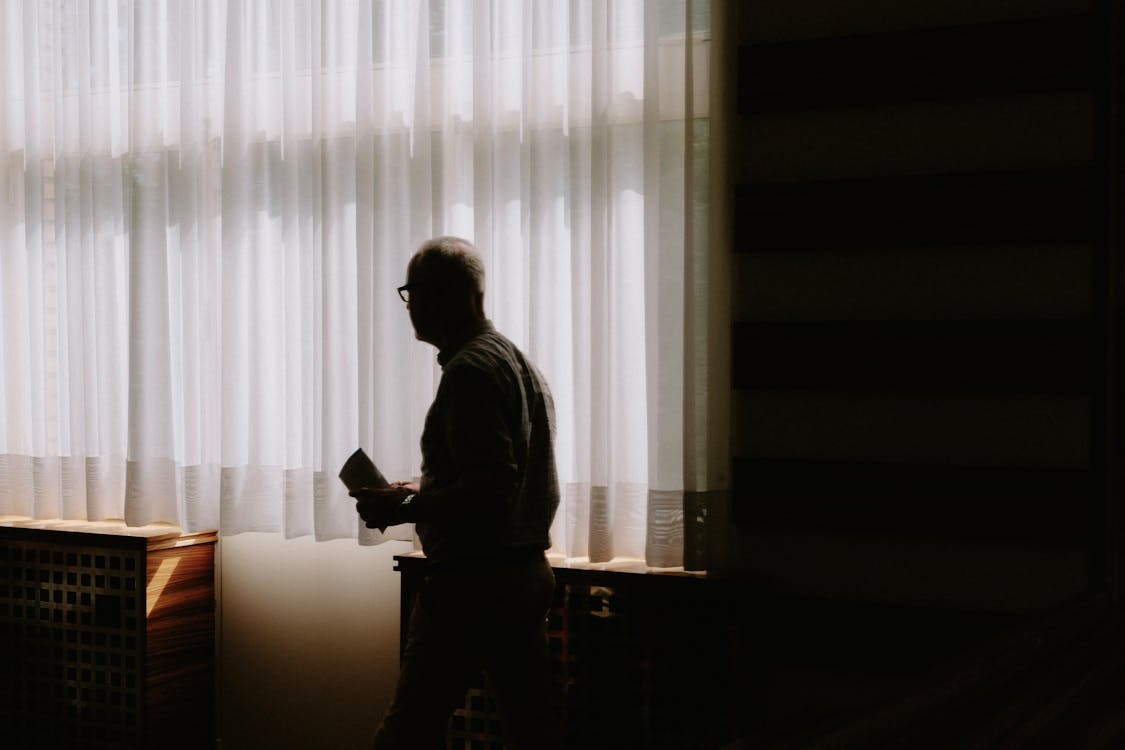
column 445, row 282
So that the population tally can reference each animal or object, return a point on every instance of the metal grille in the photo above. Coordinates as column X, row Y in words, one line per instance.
column 476, row 725
column 72, row 629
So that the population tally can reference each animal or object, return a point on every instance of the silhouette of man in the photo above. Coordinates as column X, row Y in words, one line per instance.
column 483, row 509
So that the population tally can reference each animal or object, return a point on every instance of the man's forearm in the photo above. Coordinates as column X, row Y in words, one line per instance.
column 460, row 501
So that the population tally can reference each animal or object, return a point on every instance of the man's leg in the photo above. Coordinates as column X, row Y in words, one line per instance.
column 437, row 667
column 520, row 669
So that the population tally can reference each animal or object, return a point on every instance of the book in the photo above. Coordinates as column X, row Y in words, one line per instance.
column 360, row 471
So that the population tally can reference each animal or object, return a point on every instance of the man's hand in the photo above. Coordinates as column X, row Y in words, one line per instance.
column 380, row 508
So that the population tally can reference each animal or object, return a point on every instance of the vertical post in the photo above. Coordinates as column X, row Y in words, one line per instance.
column 1108, row 287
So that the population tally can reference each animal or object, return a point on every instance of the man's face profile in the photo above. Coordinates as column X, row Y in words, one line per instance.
column 423, row 306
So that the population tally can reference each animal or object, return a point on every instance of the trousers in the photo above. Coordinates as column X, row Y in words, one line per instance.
column 489, row 616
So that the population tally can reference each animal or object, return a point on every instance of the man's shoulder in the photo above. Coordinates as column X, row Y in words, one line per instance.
column 486, row 351
column 494, row 358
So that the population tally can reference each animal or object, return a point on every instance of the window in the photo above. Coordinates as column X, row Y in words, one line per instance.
column 207, row 209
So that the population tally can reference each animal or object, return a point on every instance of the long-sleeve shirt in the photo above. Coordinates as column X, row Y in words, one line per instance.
column 492, row 417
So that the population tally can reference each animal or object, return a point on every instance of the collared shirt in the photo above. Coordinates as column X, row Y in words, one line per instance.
column 492, row 414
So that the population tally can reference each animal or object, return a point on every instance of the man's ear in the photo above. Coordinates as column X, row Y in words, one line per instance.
column 478, row 305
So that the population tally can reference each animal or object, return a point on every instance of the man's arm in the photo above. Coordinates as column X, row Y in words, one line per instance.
column 478, row 436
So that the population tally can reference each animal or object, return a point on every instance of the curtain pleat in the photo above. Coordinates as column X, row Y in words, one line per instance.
column 205, row 208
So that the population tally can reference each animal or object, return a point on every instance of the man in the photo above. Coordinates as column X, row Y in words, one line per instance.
column 483, row 510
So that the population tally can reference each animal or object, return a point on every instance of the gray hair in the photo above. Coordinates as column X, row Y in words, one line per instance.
column 453, row 261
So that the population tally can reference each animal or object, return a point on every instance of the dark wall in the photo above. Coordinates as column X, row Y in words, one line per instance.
column 925, row 428
column 921, row 222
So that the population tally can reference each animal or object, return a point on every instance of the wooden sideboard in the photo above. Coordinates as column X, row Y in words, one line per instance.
column 642, row 658
column 107, row 635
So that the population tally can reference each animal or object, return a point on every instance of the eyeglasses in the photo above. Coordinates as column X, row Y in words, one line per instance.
column 404, row 292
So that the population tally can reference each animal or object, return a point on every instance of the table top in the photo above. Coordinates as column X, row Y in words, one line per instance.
column 561, row 563
column 151, row 536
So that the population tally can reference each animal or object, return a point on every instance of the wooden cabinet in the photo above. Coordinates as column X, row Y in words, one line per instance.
column 107, row 636
column 640, row 658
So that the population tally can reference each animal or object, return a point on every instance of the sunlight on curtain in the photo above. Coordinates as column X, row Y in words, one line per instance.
column 205, row 208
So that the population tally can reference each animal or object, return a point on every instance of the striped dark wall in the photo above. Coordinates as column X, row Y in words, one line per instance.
column 926, row 437
column 921, row 223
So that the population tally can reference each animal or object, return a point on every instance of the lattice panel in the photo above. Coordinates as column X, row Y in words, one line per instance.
column 476, row 725
column 72, row 629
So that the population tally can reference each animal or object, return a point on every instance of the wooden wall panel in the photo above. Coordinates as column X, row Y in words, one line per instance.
column 763, row 21
column 1018, row 56
column 1014, row 503
column 1043, row 356
column 992, row 133
column 978, row 429
column 936, row 571
column 1040, row 206
column 967, row 283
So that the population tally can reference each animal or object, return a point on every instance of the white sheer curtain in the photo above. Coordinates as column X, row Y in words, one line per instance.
column 205, row 208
